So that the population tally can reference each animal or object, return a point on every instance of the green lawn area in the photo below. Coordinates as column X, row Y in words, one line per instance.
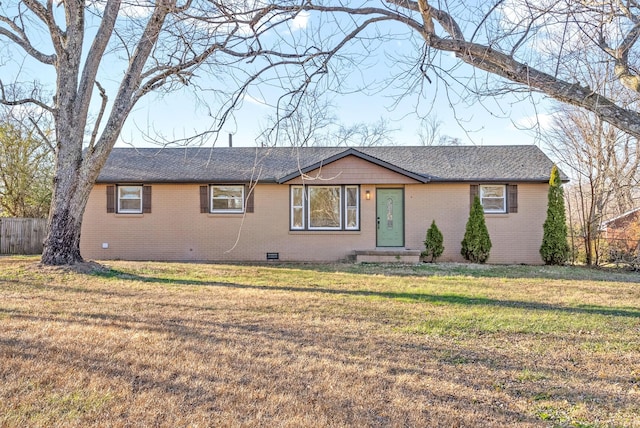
column 283, row 345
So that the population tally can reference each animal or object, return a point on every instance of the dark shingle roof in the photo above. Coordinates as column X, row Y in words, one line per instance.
column 280, row 164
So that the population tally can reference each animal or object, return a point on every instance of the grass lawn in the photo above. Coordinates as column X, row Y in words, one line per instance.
column 170, row 344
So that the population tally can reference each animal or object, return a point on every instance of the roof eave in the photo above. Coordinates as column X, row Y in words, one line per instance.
column 621, row 216
column 491, row 180
column 183, row 181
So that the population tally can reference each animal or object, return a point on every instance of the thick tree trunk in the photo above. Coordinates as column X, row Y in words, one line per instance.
column 62, row 244
column 75, row 174
column 76, row 79
column 69, row 199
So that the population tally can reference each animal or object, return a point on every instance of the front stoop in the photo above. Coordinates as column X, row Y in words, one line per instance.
column 388, row 256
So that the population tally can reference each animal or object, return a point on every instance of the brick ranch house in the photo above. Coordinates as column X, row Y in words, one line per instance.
column 622, row 235
column 313, row 204
column 621, row 226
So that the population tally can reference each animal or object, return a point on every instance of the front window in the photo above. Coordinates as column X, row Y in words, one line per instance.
column 493, row 198
column 325, row 207
column 227, row 198
column 130, row 199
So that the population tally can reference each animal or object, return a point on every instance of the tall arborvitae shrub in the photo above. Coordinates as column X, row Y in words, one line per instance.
column 433, row 243
column 555, row 248
column 476, row 243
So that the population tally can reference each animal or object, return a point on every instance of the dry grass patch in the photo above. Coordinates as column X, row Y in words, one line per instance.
column 169, row 344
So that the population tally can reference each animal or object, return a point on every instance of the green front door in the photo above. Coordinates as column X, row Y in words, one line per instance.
column 390, row 217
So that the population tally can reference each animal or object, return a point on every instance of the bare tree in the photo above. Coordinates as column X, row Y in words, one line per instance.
column 601, row 160
column 470, row 51
column 429, row 131
column 364, row 134
column 313, row 123
column 603, row 163
column 523, row 45
column 309, row 123
column 149, row 46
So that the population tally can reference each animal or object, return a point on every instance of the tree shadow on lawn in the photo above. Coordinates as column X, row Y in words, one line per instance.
column 452, row 299
column 471, row 270
column 202, row 337
column 481, row 380
column 196, row 391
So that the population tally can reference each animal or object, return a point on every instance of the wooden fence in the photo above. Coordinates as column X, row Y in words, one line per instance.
column 22, row 235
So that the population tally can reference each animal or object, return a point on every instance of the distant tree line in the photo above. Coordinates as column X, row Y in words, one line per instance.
column 26, row 171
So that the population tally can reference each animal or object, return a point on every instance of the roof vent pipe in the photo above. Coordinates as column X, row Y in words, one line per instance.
column 230, row 139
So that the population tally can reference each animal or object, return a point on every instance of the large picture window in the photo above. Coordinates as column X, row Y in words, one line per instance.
column 493, row 198
column 325, row 211
column 130, row 199
column 227, row 198
column 325, row 207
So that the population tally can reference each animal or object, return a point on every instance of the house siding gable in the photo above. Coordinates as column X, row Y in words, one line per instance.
column 352, row 170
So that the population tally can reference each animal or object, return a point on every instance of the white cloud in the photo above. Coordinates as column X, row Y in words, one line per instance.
column 137, row 10
column 130, row 9
column 541, row 121
column 252, row 100
column 550, row 33
column 300, row 21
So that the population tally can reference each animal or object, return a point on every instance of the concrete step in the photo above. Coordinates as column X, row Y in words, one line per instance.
column 387, row 256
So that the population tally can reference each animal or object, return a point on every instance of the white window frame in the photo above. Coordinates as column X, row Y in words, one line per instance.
column 308, row 204
column 306, row 211
column 347, row 206
column 504, row 198
column 226, row 211
column 125, row 197
column 300, row 207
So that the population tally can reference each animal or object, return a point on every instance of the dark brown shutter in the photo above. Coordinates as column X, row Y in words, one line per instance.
column 475, row 191
column 204, row 199
column 512, row 198
column 111, row 199
column 248, row 191
column 146, row 199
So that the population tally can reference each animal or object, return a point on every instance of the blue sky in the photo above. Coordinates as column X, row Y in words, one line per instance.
column 475, row 121
column 179, row 115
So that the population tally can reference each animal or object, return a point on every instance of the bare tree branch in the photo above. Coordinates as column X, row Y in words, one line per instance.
column 19, row 37
column 22, row 101
column 94, row 57
column 495, row 61
column 103, row 107
column 47, row 17
column 124, row 100
column 42, row 134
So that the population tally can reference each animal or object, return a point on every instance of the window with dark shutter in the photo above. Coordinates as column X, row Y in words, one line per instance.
column 227, row 199
column 512, row 198
column 129, row 198
column 111, row 199
column 204, row 199
column 496, row 198
column 146, row 199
